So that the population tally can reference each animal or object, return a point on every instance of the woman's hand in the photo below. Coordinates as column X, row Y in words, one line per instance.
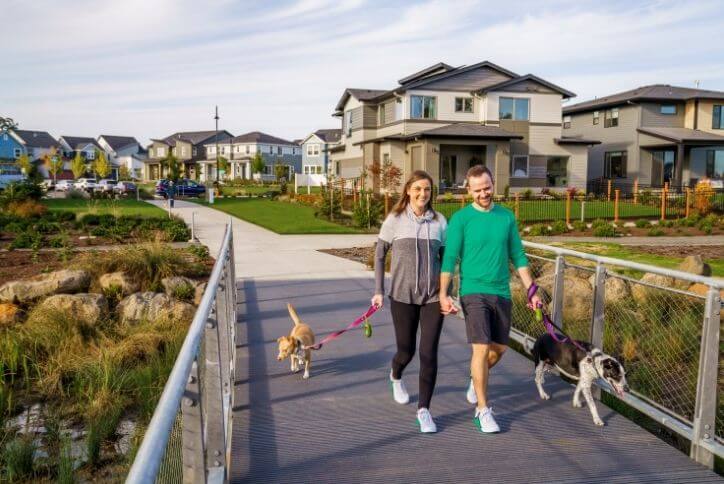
column 446, row 305
column 377, row 300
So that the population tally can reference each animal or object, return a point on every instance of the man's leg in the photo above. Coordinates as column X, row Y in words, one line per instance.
column 495, row 354
column 479, row 370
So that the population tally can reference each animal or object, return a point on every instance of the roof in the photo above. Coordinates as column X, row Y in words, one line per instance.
column 118, row 142
column 36, row 139
column 655, row 92
column 455, row 72
column 259, row 137
column 455, row 130
column 78, row 142
column 196, row 137
column 434, row 69
column 360, row 94
column 682, row 135
column 569, row 140
column 528, row 77
column 329, row 135
column 298, row 141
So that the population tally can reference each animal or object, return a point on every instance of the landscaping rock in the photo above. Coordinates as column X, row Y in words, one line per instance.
column 541, row 268
column 120, row 280
column 199, row 293
column 58, row 282
column 642, row 293
column 88, row 307
column 694, row 264
column 153, row 306
column 125, row 430
column 617, row 290
column 577, row 296
column 703, row 290
column 9, row 314
column 172, row 284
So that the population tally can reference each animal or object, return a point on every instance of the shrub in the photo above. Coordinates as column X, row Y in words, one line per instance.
column 655, row 232
column 18, row 459
column 328, row 206
column 689, row 221
column 20, row 191
column 99, row 231
column 200, row 252
column 90, row 219
column 26, row 208
column 59, row 241
column 558, row 227
column 27, row 240
column 75, row 194
column 646, row 198
column 537, row 230
column 666, row 223
column 368, row 211
column 580, row 225
column 599, row 222
column 506, row 191
column 184, row 292
column 17, row 227
column 176, row 231
column 642, row 223
column 46, row 227
column 106, row 220
column 526, row 194
column 62, row 216
column 607, row 230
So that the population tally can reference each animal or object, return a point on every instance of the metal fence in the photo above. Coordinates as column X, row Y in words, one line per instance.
column 663, row 324
column 189, row 436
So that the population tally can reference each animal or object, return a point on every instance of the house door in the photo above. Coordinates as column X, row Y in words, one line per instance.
column 416, row 157
column 663, row 165
column 448, row 170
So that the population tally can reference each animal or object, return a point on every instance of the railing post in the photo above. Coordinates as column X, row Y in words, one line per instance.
column 636, row 191
column 213, row 396
column 558, row 290
column 568, row 208
column 599, row 301
column 517, row 206
column 608, row 192
column 583, row 210
column 192, row 434
column 663, row 204
column 688, row 196
column 615, row 205
column 706, row 386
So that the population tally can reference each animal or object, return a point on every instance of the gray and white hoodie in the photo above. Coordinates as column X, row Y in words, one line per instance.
column 416, row 244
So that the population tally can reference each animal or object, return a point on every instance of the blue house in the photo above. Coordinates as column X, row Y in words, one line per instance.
column 315, row 150
column 18, row 142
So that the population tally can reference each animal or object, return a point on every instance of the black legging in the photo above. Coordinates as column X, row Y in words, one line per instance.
column 406, row 318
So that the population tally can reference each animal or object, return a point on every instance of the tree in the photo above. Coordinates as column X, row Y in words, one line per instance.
column 101, row 165
column 390, row 177
column 53, row 162
column 77, row 166
column 173, row 168
column 257, row 163
column 280, row 171
column 6, row 124
column 224, row 166
column 24, row 164
column 124, row 173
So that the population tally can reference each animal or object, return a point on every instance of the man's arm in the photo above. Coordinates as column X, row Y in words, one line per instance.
column 453, row 247
column 517, row 255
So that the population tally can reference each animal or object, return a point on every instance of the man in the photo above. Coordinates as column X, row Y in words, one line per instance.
column 484, row 237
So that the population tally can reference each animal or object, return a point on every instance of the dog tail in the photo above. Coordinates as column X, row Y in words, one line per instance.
column 293, row 314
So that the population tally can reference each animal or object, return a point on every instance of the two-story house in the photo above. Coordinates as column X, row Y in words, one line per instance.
column 124, row 151
column 189, row 149
column 18, row 142
column 444, row 119
column 70, row 146
column 315, row 150
column 241, row 150
column 652, row 134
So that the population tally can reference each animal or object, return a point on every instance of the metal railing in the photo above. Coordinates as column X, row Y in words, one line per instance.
column 189, row 436
column 663, row 324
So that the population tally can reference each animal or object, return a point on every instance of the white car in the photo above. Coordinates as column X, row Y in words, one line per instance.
column 88, row 184
column 106, row 185
column 64, row 185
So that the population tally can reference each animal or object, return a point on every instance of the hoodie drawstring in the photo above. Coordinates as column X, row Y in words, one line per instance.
column 424, row 219
column 417, row 257
column 429, row 256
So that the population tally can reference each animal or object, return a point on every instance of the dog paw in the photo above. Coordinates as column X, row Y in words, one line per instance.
column 545, row 396
column 305, row 376
column 599, row 422
column 577, row 404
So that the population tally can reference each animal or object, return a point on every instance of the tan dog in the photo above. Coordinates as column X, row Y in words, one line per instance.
column 292, row 346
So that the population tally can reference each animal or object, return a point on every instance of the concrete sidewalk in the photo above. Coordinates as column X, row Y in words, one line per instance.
column 261, row 253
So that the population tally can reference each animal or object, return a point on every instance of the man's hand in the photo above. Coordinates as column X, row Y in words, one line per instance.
column 535, row 302
column 377, row 300
column 446, row 305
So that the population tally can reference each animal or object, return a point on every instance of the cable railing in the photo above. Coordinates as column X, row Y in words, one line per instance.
column 663, row 324
column 189, row 436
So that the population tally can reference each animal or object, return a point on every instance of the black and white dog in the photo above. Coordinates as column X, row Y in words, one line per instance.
column 577, row 365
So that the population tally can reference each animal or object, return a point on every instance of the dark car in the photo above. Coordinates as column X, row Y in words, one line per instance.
column 124, row 187
column 182, row 188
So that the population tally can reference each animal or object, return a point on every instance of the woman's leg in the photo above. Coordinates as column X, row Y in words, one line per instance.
column 405, row 318
column 430, row 328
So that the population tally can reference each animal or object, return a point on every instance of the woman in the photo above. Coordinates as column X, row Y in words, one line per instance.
column 416, row 235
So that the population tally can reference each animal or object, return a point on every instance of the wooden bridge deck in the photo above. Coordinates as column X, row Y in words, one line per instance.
column 343, row 426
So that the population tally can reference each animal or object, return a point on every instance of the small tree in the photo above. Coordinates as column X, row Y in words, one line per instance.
column 224, row 166
column 77, row 166
column 124, row 173
column 257, row 163
column 101, row 165
column 173, row 167
column 24, row 164
column 53, row 162
column 280, row 171
column 6, row 124
column 390, row 177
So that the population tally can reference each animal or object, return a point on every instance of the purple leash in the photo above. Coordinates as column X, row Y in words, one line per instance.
column 550, row 325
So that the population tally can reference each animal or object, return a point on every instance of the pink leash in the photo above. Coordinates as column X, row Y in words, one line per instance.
column 549, row 325
column 372, row 310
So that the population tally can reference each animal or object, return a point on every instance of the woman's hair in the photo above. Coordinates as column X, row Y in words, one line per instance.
column 404, row 200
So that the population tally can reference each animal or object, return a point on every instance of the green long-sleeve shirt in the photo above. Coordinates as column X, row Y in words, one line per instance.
column 484, row 243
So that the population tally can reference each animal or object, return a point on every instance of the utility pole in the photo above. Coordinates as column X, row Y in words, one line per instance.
column 216, row 118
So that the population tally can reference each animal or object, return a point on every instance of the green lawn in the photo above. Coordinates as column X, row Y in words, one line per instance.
column 253, row 190
column 280, row 217
column 115, row 207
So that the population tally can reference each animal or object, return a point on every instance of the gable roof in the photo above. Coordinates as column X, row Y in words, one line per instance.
column 259, row 137
column 118, row 142
column 35, row 139
column 433, row 69
column 528, row 77
column 197, row 137
column 78, row 142
column 455, row 72
column 682, row 135
column 329, row 135
column 360, row 94
column 655, row 92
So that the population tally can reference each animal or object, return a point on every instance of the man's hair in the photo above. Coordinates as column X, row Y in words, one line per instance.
column 479, row 170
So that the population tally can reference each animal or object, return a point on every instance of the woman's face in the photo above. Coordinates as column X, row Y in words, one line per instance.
column 419, row 193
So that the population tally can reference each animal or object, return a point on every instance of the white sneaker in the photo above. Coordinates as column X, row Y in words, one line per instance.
column 399, row 392
column 427, row 424
column 485, row 422
column 470, row 395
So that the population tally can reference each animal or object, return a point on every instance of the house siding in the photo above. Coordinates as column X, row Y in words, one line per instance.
column 446, row 106
column 469, row 81
column 543, row 108
column 705, row 113
column 651, row 116
column 8, row 144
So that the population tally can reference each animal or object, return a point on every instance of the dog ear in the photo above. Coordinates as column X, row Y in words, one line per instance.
column 280, row 339
column 589, row 360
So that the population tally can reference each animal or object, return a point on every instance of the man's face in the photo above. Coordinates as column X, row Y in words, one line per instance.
column 481, row 189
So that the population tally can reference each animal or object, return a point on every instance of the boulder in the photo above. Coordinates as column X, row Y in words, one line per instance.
column 695, row 265
column 541, row 268
column 642, row 293
column 617, row 289
column 120, row 280
column 58, row 282
column 199, row 293
column 88, row 307
column 172, row 284
column 577, row 296
column 153, row 306
column 703, row 290
column 9, row 314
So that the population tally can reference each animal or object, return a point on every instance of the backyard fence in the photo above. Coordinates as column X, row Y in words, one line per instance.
column 663, row 324
column 189, row 436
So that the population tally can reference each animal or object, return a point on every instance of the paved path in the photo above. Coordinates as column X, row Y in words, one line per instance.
column 342, row 425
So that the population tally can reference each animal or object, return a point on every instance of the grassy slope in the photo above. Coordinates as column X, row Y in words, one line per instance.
column 280, row 217
column 115, row 207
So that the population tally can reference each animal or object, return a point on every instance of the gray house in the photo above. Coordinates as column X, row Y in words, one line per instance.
column 315, row 150
column 653, row 134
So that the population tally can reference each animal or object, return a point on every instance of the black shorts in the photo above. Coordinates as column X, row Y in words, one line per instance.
column 487, row 318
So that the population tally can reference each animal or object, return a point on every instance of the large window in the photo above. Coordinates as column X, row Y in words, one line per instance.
column 514, row 108
column 519, row 167
column 312, row 169
column 715, row 164
column 381, row 114
column 614, row 164
column 422, row 107
column 668, row 109
column 162, row 152
column 667, row 160
column 348, row 122
column 463, row 105
column 610, row 118
column 717, row 117
column 557, row 171
column 313, row 150
column 596, row 117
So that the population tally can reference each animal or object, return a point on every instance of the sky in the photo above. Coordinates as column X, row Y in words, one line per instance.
column 149, row 68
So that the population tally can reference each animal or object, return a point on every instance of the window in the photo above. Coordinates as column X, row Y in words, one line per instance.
column 173, row 151
column 610, row 118
column 193, row 151
column 557, row 171
column 422, row 107
column 566, row 122
column 381, row 114
column 17, row 152
column 520, row 166
column 313, row 150
column 247, row 149
column 668, row 109
column 271, row 149
column 614, row 164
column 715, row 164
column 279, row 150
column 596, row 117
column 398, row 109
column 338, row 167
column 348, row 123
column 513, row 108
column 312, row 169
column 463, row 105
column 90, row 155
column 717, row 117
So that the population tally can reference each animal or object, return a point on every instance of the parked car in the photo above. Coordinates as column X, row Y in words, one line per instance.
column 124, row 187
column 88, row 184
column 183, row 188
column 47, row 184
column 106, row 185
column 64, row 186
